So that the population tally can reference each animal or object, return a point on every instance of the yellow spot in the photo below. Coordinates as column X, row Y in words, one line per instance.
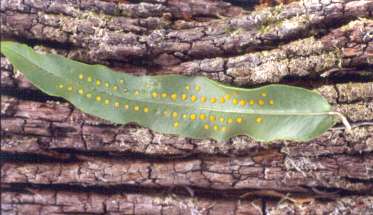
column 235, row 101
column 116, row 104
column 174, row 114
column 146, row 109
column 183, row 97
column 192, row 116
column 216, row 127
column 227, row 97
column 197, row 88
column 165, row 113
column 60, row 86
column 230, row 120
column 252, row 101
column 70, row 88
column 81, row 91
column 223, row 129
column 239, row 120
column 154, row 94
column 187, row 87
column 264, row 94
column 89, row 79
column 137, row 93
column 121, row 81
column 222, row 100
column 203, row 99
column 213, row 100
column 242, row 102
column 212, row 118
column 107, row 84
column 176, row 124
column 221, row 119
column 107, row 101
column 261, row 102
column 81, row 76
column 89, row 95
column 202, row 116
column 98, row 98
column 271, row 102
column 193, row 98
column 136, row 108
column 115, row 88
column 98, row 82
column 206, row 126
column 164, row 95
column 126, row 107
column 258, row 119
column 174, row 97
column 185, row 116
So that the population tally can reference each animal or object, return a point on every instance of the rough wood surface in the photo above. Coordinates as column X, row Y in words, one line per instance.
column 56, row 159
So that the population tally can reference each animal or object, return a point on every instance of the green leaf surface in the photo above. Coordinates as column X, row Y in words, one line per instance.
column 195, row 107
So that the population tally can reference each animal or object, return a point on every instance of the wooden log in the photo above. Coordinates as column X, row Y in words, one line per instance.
column 57, row 159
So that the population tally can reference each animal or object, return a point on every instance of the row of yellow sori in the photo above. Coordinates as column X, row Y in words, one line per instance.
column 173, row 96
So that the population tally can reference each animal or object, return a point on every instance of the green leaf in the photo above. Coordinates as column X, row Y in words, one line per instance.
column 194, row 107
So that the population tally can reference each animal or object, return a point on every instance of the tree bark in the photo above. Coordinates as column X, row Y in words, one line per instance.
column 56, row 159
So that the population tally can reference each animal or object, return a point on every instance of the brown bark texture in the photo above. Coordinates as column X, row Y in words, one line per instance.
column 58, row 160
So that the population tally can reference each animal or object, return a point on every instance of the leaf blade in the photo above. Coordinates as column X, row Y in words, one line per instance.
column 194, row 107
